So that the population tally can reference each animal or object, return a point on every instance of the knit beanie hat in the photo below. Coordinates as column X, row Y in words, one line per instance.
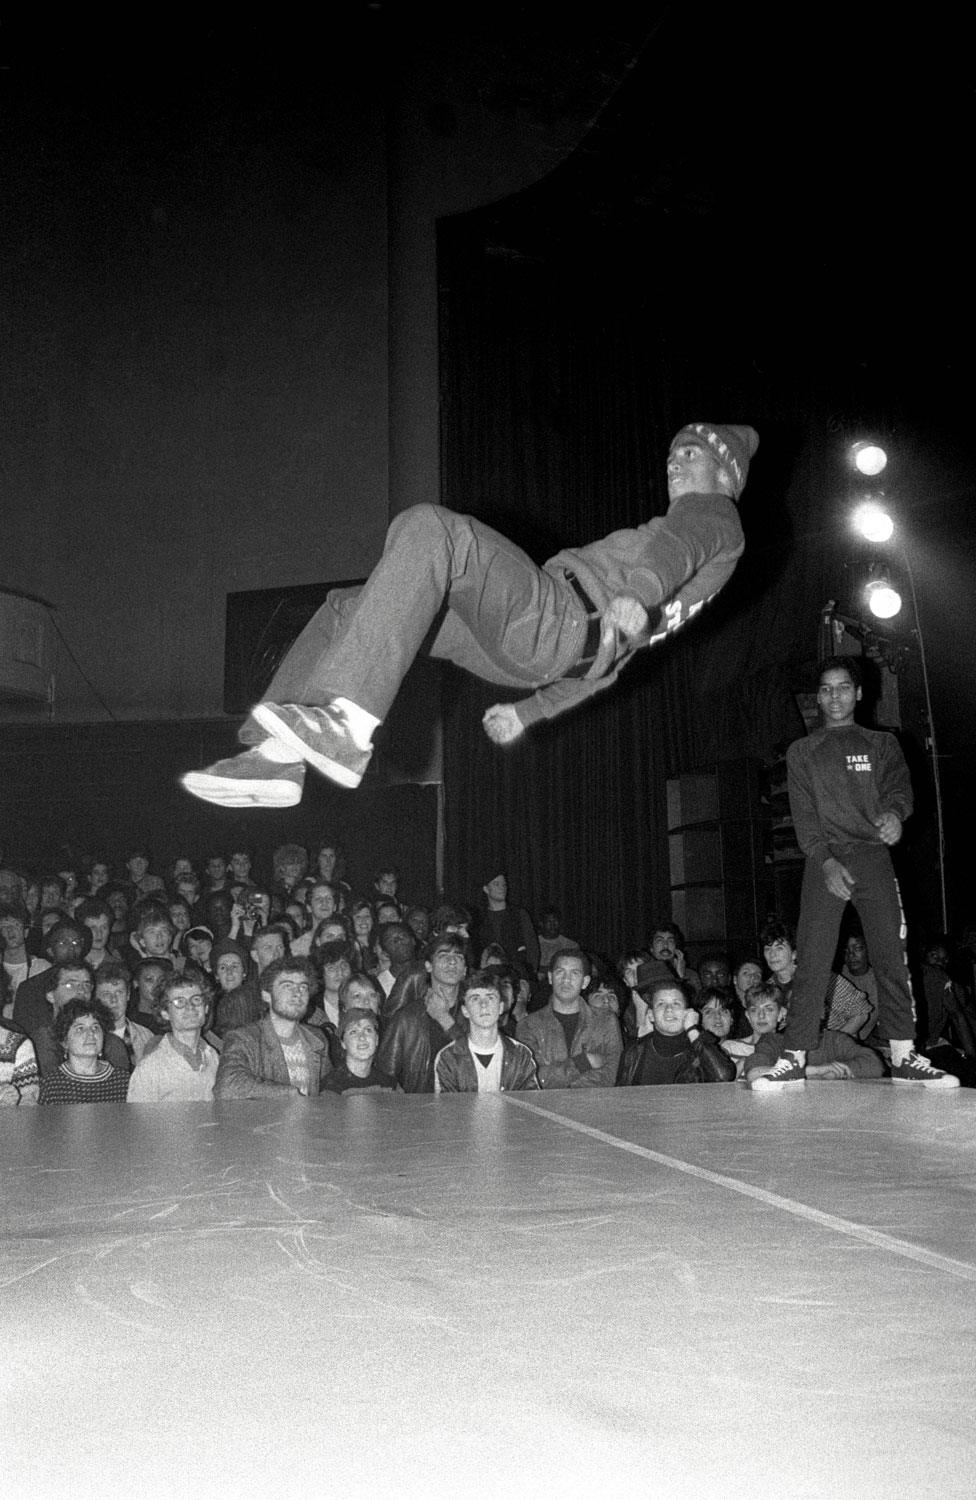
column 731, row 447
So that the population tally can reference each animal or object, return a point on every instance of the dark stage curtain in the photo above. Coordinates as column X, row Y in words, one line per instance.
column 567, row 365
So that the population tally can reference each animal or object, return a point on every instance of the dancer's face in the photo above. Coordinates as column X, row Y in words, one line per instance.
column 691, row 471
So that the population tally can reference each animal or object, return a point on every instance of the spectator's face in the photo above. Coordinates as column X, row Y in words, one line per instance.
column 331, row 932
column 50, row 896
column 603, row 998
column 198, row 950
column 147, row 985
column 668, row 1008
column 321, row 903
column 714, row 974
column 290, row 872
column 716, row 1018
column 12, row 932
column 937, row 956
column 119, row 905
column 360, row 1040
column 497, row 888
column 114, row 995
column 549, row 925
column 240, row 864
column 418, row 921
column 99, row 927
column 156, row 939
column 186, row 1008
column 569, row 979
column 362, row 922
column 386, row 912
column 188, row 886
column 66, row 946
column 137, row 866
column 746, row 975
column 216, row 867
column 289, row 996
column 179, row 916
column 229, row 972
column 334, row 975
column 266, row 948
column 327, row 862
column 386, row 883
column 84, row 1040
column 98, row 877
column 765, row 1016
column 182, row 866
column 361, row 996
column 482, row 1007
column 446, row 966
column 663, row 946
column 856, row 956
column 778, row 955
column 74, row 984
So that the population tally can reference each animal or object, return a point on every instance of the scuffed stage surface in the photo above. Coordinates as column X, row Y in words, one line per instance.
column 675, row 1292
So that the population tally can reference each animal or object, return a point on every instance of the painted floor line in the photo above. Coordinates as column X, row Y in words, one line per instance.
column 876, row 1237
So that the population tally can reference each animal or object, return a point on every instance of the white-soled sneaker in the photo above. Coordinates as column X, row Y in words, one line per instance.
column 248, row 780
column 918, row 1069
column 321, row 736
column 789, row 1073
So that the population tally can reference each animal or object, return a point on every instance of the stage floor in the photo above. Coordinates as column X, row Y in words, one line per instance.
column 675, row 1292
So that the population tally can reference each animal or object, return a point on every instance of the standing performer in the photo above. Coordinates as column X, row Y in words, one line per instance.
column 849, row 795
column 565, row 629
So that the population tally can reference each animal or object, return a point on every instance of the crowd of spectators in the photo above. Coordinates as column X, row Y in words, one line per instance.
column 206, row 980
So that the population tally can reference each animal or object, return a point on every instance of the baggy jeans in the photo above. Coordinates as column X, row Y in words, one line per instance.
column 484, row 603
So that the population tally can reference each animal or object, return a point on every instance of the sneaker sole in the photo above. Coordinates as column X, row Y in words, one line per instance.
column 925, row 1083
column 777, row 1088
column 279, row 730
column 241, row 793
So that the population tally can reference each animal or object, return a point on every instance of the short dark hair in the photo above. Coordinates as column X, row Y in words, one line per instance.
column 52, row 976
column 112, row 973
column 93, row 906
column 664, row 982
column 571, row 951
column 775, row 930
column 452, row 942
column 848, row 664
column 286, row 965
column 480, row 979
column 68, row 924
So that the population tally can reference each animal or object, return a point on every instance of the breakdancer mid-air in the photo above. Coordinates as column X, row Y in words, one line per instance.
column 560, row 632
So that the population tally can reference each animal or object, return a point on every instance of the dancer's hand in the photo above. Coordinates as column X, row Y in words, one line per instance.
column 626, row 615
column 889, row 827
column 840, row 881
column 502, row 723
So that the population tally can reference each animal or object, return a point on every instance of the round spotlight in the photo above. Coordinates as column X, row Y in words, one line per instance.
column 873, row 522
column 884, row 602
column 868, row 458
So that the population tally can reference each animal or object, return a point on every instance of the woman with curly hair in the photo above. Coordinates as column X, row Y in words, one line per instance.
column 84, row 1076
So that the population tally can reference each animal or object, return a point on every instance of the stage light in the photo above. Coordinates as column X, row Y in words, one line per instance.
column 868, row 458
column 873, row 522
column 884, row 602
